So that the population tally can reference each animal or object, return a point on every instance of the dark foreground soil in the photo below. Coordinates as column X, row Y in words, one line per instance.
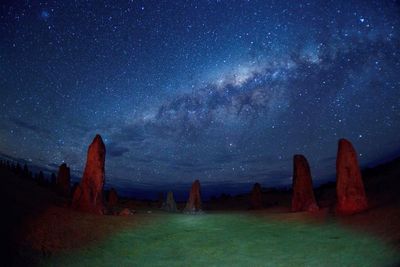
column 37, row 223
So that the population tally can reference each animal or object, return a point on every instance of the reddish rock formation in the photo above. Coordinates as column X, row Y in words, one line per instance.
column 256, row 197
column 73, row 188
column 126, row 212
column 63, row 180
column 194, row 202
column 170, row 204
column 112, row 198
column 88, row 196
column 303, row 195
column 351, row 197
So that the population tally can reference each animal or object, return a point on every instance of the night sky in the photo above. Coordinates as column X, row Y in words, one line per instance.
column 221, row 91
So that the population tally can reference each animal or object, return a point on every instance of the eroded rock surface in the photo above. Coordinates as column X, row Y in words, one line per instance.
column 88, row 196
column 63, row 180
column 256, row 197
column 303, row 198
column 351, row 197
column 193, row 205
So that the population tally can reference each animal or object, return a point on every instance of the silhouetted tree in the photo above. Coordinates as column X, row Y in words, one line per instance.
column 53, row 180
column 25, row 172
column 18, row 169
column 13, row 167
column 40, row 178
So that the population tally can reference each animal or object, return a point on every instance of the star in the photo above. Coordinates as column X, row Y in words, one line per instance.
column 200, row 89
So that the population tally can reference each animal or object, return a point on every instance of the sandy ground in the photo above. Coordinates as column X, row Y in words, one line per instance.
column 38, row 223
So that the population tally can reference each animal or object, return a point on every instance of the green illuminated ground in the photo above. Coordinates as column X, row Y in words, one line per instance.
column 239, row 239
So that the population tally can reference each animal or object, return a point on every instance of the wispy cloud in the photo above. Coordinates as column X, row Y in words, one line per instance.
column 30, row 126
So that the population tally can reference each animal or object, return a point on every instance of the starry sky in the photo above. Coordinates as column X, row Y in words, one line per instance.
column 222, row 91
